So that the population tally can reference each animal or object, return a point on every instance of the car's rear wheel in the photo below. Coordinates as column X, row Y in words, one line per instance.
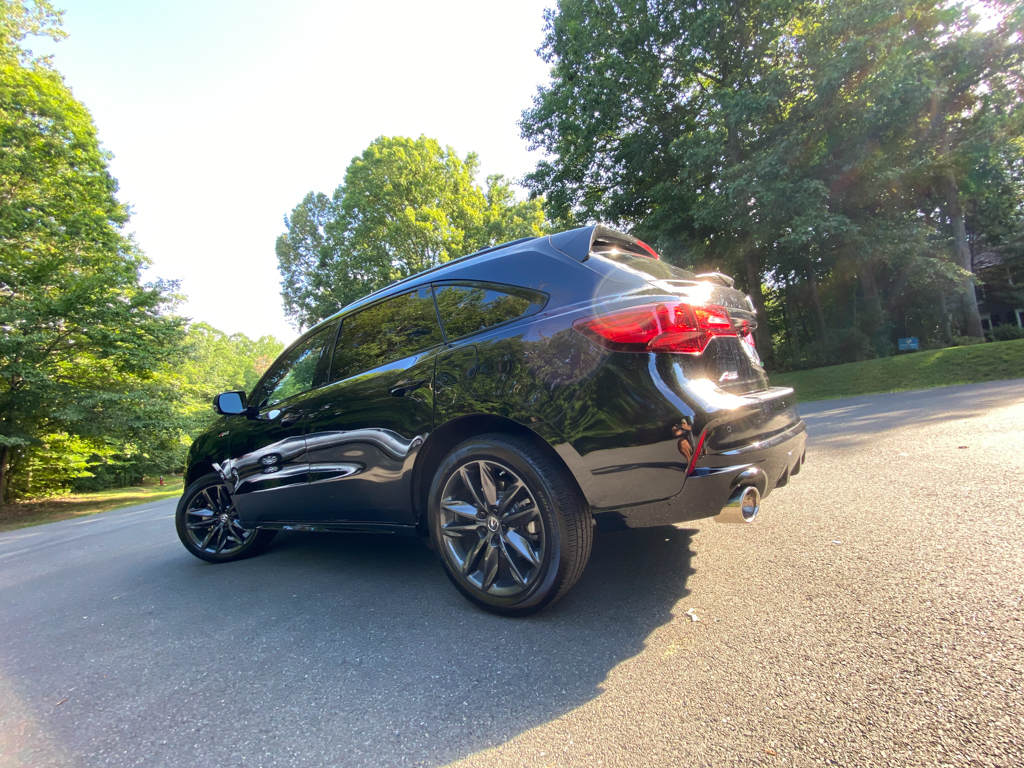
column 208, row 524
column 509, row 524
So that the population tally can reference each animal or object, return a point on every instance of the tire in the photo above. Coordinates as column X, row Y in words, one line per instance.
column 208, row 524
column 510, row 554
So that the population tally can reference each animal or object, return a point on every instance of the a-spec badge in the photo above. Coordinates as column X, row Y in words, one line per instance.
column 728, row 376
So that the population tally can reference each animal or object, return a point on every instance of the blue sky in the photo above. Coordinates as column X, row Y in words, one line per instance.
column 222, row 114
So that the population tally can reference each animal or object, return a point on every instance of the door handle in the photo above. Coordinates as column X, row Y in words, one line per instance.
column 405, row 387
column 288, row 419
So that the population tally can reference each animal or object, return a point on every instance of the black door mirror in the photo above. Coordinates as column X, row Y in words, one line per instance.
column 229, row 403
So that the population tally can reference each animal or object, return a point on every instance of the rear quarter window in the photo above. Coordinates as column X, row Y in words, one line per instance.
column 467, row 308
column 385, row 332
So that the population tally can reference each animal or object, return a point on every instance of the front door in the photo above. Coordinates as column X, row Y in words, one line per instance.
column 269, row 469
column 365, row 427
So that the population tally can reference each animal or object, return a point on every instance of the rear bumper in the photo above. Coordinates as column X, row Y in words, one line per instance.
column 766, row 465
column 652, row 441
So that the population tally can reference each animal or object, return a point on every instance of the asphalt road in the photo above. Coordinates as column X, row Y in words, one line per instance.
column 871, row 616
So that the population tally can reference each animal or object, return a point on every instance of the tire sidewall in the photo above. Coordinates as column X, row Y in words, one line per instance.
column 551, row 568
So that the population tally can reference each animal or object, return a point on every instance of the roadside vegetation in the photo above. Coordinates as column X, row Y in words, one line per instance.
column 22, row 514
column 915, row 370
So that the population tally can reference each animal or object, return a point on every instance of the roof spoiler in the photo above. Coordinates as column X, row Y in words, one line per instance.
column 718, row 277
column 577, row 243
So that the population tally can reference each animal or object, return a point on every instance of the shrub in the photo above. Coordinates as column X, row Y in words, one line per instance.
column 966, row 341
column 1007, row 333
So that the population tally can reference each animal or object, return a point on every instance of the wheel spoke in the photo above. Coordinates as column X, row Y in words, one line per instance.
column 240, row 532
column 455, row 531
column 221, row 540
column 466, row 481
column 519, row 517
column 471, row 558
column 209, row 537
column 487, row 485
column 212, row 505
column 490, row 566
column 508, row 497
column 522, row 547
column 203, row 523
column 512, row 567
column 460, row 508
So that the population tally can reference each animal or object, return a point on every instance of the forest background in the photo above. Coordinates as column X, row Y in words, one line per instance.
column 857, row 165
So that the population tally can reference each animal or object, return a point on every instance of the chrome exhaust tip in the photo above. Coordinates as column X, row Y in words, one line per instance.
column 742, row 506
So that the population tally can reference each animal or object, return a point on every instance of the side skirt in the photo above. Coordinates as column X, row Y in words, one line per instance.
column 398, row 530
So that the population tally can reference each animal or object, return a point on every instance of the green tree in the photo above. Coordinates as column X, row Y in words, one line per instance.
column 802, row 145
column 405, row 205
column 78, row 328
column 655, row 119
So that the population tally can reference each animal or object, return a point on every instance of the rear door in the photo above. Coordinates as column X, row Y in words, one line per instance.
column 364, row 428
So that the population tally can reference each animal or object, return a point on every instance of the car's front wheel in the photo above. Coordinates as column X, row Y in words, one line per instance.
column 509, row 524
column 208, row 524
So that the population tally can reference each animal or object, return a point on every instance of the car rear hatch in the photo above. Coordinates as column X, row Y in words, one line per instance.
column 717, row 321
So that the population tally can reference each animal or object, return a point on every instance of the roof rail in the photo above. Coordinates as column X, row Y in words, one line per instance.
column 418, row 275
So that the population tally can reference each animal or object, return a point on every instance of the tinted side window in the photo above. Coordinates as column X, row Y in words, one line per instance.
column 386, row 332
column 294, row 373
column 468, row 308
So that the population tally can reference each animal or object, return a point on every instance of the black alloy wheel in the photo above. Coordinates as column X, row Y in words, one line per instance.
column 208, row 524
column 512, row 531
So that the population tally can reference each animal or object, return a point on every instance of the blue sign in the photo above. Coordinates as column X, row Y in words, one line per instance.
column 908, row 344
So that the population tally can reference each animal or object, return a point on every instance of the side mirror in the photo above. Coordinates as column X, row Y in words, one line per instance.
column 229, row 403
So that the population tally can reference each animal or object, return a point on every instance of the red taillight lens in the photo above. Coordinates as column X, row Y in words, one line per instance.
column 671, row 326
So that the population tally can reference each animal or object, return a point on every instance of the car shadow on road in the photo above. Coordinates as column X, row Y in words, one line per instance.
column 431, row 677
column 351, row 650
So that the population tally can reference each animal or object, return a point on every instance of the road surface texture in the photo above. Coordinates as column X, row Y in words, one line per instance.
column 871, row 617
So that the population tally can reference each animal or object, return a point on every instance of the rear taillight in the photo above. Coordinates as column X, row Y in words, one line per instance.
column 671, row 326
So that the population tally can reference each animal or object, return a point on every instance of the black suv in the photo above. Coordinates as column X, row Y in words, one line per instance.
column 503, row 405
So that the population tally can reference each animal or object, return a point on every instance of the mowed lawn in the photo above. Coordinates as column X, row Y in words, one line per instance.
column 20, row 514
column 995, row 361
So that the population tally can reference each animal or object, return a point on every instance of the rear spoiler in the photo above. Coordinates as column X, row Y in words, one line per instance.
column 717, row 277
column 578, row 243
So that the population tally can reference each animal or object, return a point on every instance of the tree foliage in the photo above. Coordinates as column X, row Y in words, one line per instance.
column 81, row 333
column 816, row 148
column 405, row 205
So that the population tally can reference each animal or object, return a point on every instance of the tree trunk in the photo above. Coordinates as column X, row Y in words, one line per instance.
column 962, row 253
column 867, row 282
column 819, row 316
column 5, row 451
column 947, row 331
column 794, row 335
column 763, row 332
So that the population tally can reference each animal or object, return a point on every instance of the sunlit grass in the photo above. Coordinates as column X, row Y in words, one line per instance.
column 21, row 514
column 996, row 361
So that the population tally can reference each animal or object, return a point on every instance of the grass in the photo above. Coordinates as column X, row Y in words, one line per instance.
column 997, row 361
column 21, row 514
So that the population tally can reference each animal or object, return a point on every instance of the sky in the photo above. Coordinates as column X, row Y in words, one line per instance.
column 221, row 115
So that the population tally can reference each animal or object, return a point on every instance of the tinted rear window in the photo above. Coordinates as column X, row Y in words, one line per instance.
column 467, row 308
column 641, row 266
